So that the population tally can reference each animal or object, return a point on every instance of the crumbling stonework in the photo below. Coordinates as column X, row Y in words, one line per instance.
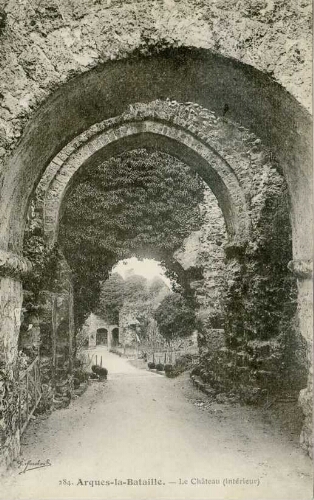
column 241, row 352
column 248, row 278
column 88, row 333
column 248, row 62
column 46, row 43
column 204, row 250
column 237, row 156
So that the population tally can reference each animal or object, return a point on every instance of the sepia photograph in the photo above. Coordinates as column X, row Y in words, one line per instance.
column 156, row 250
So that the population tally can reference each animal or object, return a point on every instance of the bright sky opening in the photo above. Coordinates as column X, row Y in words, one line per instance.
column 149, row 268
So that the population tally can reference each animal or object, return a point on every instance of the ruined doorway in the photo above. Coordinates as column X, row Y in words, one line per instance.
column 115, row 337
column 102, row 336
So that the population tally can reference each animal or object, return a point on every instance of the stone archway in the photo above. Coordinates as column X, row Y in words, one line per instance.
column 169, row 126
column 147, row 126
column 230, row 159
column 253, row 99
column 257, row 102
column 102, row 336
column 115, row 337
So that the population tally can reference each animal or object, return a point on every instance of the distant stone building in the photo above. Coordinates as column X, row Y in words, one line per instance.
column 96, row 331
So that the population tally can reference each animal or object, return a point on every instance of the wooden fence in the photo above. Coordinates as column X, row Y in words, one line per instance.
column 158, row 355
column 170, row 356
column 30, row 393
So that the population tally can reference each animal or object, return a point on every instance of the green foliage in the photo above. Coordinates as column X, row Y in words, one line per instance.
column 168, row 369
column 141, row 203
column 136, row 289
column 111, row 298
column 175, row 317
column 156, row 286
column 115, row 292
column 135, row 294
column 183, row 363
column 261, row 298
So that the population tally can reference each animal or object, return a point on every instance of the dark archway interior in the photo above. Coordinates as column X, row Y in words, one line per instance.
column 115, row 337
column 129, row 206
column 102, row 336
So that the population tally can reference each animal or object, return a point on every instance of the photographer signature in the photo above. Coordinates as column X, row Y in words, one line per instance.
column 32, row 465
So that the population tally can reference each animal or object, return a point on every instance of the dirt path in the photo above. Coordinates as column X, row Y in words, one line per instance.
column 139, row 425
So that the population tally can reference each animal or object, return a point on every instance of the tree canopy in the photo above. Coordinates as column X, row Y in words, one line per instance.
column 135, row 288
column 156, row 286
column 140, row 203
column 175, row 317
column 115, row 292
column 134, row 293
column 111, row 297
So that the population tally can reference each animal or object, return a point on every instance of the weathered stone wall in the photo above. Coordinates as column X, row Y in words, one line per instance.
column 204, row 250
column 249, row 338
column 50, row 93
column 45, row 43
column 10, row 314
column 89, row 330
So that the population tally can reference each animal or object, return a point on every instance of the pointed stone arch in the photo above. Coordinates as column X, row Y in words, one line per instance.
column 189, row 132
column 254, row 100
column 212, row 168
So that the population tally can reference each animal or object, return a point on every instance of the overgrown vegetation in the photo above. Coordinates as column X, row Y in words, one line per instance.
column 141, row 203
column 260, row 308
column 261, row 301
column 175, row 317
column 135, row 293
column 182, row 364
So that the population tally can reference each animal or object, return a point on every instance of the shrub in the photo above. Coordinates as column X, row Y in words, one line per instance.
column 78, row 363
column 80, row 376
column 160, row 367
column 196, row 371
column 168, row 369
column 181, row 365
column 175, row 316
column 100, row 371
column 151, row 365
column 115, row 351
column 76, row 383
